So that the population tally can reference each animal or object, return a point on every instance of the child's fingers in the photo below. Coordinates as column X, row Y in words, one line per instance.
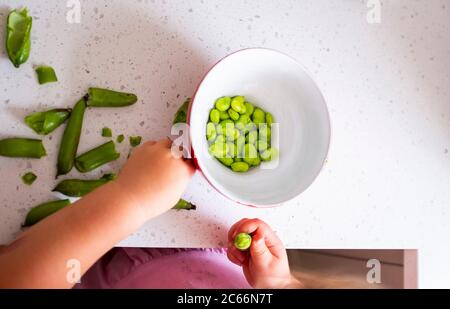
column 260, row 229
column 231, row 231
column 259, row 252
column 237, row 257
column 166, row 142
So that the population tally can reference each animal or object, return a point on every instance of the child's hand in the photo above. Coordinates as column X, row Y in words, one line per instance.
column 154, row 178
column 265, row 264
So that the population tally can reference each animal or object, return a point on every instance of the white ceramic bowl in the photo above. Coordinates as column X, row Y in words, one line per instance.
column 279, row 85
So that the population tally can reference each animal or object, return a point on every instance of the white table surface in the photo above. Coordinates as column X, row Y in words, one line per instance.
column 387, row 180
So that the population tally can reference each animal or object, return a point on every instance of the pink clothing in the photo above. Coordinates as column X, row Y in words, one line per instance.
column 124, row 268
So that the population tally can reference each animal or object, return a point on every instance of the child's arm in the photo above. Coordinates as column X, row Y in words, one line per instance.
column 150, row 183
column 265, row 264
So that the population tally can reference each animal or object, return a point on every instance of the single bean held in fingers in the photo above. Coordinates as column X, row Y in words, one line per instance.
column 243, row 241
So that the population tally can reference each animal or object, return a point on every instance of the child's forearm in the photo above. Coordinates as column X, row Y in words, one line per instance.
column 81, row 232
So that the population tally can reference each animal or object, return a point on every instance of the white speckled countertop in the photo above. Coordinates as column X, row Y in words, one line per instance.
column 387, row 85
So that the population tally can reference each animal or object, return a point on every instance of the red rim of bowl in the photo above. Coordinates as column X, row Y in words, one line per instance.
column 188, row 120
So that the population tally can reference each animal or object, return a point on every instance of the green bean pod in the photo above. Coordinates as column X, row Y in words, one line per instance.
column 46, row 122
column 18, row 31
column 22, row 148
column 96, row 157
column 181, row 114
column 184, row 205
column 71, row 138
column 98, row 97
column 79, row 188
column 42, row 211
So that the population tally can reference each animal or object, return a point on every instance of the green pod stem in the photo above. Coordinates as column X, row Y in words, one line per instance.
column 46, row 122
column 22, row 148
column 71, row 139
column 181, row 114
column 98, row 97
column 42, row 211
column 184, row 205
column 79, row 188
column 96, row 157
column 18, row 30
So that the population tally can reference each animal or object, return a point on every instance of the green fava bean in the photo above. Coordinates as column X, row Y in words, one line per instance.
column 237, row 134
column 237, row 159
column 243, row 241
column 79, row 188
column 224, row 115
column 42, row 211
column 240, row 167
column 227, row 127
column 250, row 153
column 256, row 161
column 269, row 119
column 250, row 127
column 264, row 132
column 211, row 133
column 46, row 122
column 252, row 137
column 71, row 138
column 243, row 119
column 218, row 150
column 238, row 104
column 22, row 148
column 259, row 116
column 262, row 145
column 18, row 32
column 214, row 116
column 226, row 161
column 240, row 126
column 233, row 114
column 98, row 97
column 96, row 157
column 249, row 108
column 269, row 154
column 220, row 139
column 240, row 142
column 223, row 104
column 232, row 149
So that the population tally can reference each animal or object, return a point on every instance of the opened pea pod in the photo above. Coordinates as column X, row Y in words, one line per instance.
column 46, row 122
column 18, row 36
